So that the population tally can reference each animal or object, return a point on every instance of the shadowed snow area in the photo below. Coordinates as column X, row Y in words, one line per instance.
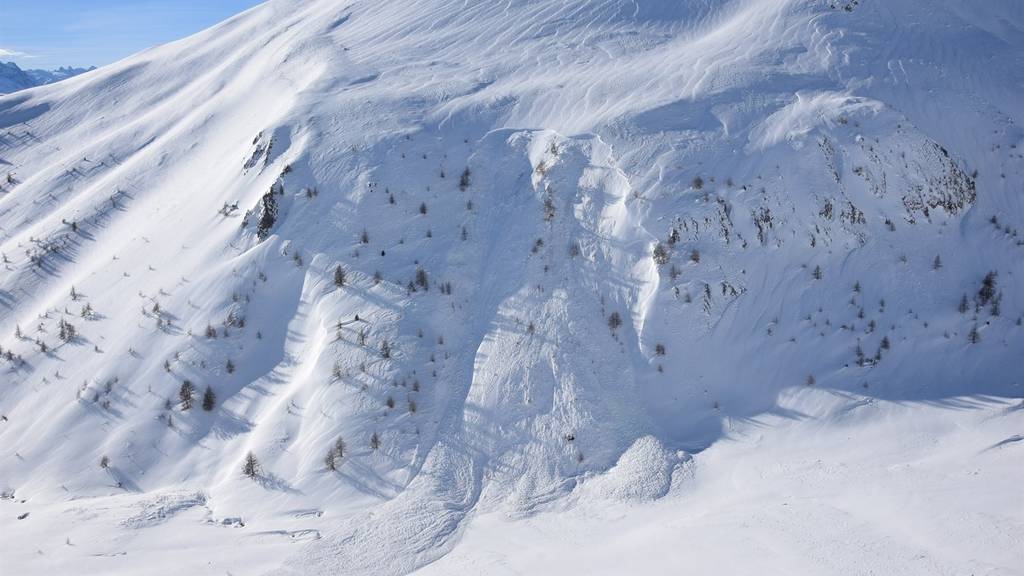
column 582, row 287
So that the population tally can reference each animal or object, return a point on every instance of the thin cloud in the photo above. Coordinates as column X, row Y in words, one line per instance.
column 5, row 53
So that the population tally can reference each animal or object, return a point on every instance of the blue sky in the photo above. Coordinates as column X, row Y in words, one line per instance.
column 52, row 33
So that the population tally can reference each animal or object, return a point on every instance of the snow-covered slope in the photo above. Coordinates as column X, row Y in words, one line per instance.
column 580, row 242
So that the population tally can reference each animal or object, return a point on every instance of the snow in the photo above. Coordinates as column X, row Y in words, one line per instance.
column 795, row 121
column 800, row 163
column 877, row 488
column 831, row 484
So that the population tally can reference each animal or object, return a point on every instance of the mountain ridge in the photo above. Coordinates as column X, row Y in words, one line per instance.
column 13, row 78
column 574, row 237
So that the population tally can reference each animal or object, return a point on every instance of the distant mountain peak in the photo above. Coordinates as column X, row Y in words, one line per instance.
column 14, row 78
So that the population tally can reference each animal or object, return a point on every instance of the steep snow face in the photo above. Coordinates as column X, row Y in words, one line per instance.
column 575, row 239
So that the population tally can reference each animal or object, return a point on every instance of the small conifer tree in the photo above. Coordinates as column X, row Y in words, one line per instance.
column 988, row 288
column 251, row 466
column 661, row 255
column 185, row 394
column 614, row 321
column 209, row 399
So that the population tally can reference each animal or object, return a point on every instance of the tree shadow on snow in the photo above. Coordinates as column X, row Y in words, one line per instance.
column 271, row 481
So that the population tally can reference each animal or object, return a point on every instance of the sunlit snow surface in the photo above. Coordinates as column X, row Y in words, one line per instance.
column 801, row 163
